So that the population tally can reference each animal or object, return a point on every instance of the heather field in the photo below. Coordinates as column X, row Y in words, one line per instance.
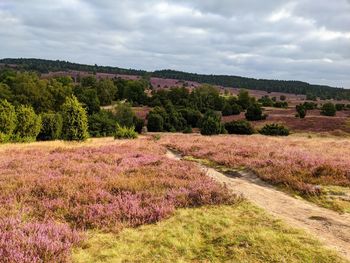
column 313, row 167
column 106, row 200
column 50, row 193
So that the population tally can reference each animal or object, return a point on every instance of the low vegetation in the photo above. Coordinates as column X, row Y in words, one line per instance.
column 274, row 129
column 299, row 164
column 241, row 233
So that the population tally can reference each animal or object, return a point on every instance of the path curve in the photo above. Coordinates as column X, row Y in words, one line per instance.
column 332, row 228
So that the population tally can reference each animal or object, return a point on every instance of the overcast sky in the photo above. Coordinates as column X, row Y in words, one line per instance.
column 276, row 39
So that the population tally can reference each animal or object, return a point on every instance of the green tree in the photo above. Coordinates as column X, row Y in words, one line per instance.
column 211, row 124
column 244, row 99
column 124, row 115
column 301, row 111
column 51, row 128
column 8, row 120
column 75, row 122
column 28, row 124
column 254, row 113
column 102, row 124
column 155, row 122
column 106, row 91
column 328, row 109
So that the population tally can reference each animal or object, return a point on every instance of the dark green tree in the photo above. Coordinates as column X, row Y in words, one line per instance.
column 328, row 109
column 211, row 124
column 28, row 124
column 51, row 127
column 155, row 122
column 254, row 113
column 75, row 122
column 8, row 120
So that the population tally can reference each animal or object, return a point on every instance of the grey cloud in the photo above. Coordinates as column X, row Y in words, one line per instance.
column 293, row 39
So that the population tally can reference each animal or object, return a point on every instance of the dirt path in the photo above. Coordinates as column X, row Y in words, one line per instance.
column 328, row 226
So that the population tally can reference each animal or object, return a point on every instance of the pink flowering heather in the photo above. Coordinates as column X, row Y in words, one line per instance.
column 102, row 186
column 30, row 242
column 295, row 162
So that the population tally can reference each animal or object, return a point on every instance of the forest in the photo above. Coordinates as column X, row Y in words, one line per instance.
column 293, row 87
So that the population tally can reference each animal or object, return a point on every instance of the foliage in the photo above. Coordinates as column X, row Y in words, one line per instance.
column 211, row 124
column 254, row 113
column 274, row 129
column 239, row 127
column 28, row 124
column 139, row 123
column 244, row 100
column 280, row 104
column 123, row 132
column 8, row 118
column 328, row 109
column 51, row 126
column 192, row 116
column 75, row 122
column 124, row 114
column 266, row 101
column 102, row 124
column 301, row 111
column 106, row 91
column 293, row 87
column 340, row 106
column 155, row 122
column 310, row 105
column 89, row 99
column 283, row 98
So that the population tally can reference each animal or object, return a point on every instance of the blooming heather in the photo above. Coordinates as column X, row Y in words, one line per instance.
column 57, row 188
column 295, row 162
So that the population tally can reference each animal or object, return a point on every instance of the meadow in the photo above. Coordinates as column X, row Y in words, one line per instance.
column 307, row 165
column 109, row 200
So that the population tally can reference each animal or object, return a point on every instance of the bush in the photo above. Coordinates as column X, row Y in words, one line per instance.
column 28, row 124
column 155, row 123
column 310, row 105
column 124, row 114
column 75, row 122
column 254, row 113
column 339, row 106
column 301, row 111
column 239, row 127
column 188, row 129
column 274, row 129
column 227, row 110
column 123, row 132
column 8, row 118
column 211, row 124
column 328, row 109
column 138, row 123
column 280, row 104
column 236, row 109
column 51, row 128
column 102, row 124
column 283, row 98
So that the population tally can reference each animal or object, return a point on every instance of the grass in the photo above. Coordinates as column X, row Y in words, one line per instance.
column 239, row 233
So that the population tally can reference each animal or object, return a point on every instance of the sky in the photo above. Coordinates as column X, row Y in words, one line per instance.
column 306, row 40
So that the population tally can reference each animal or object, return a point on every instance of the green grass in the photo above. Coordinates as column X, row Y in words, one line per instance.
column 241, row 233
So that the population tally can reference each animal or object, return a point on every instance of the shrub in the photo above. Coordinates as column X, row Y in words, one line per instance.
column 310, row 105
column 8, row 118
column 123, row 132
column 328, row 109
column 254, row 113
column 211, row 124
column 280, row 104
column 339, row 106
column 274, row 129
column 51, row 128
column 124, row 114
column 28, row 124
column 301, row 111
column 155, row 123
column 236, row 109
column 75, row 122
column 227, row 110
column 188, row 129
column 102, row 124
column 283, row 98
column 191, row 116
column 239, row 127
column 138, row 123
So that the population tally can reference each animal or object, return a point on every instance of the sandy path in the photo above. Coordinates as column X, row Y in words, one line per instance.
column 328, row 226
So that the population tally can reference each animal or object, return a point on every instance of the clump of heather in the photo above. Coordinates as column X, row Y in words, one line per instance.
column 103, row 186
column 29, row 242
column 298, row 163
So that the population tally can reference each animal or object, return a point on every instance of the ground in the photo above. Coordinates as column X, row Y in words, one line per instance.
column 107, row 200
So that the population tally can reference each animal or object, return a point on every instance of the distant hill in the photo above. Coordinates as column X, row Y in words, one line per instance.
column 294, row 87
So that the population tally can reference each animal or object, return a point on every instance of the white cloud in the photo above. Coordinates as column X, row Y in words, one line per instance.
column 290, row 39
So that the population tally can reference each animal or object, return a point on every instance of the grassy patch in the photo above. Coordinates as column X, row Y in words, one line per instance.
column 240, row 233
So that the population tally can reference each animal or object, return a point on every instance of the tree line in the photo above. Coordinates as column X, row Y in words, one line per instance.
column 293, row 87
